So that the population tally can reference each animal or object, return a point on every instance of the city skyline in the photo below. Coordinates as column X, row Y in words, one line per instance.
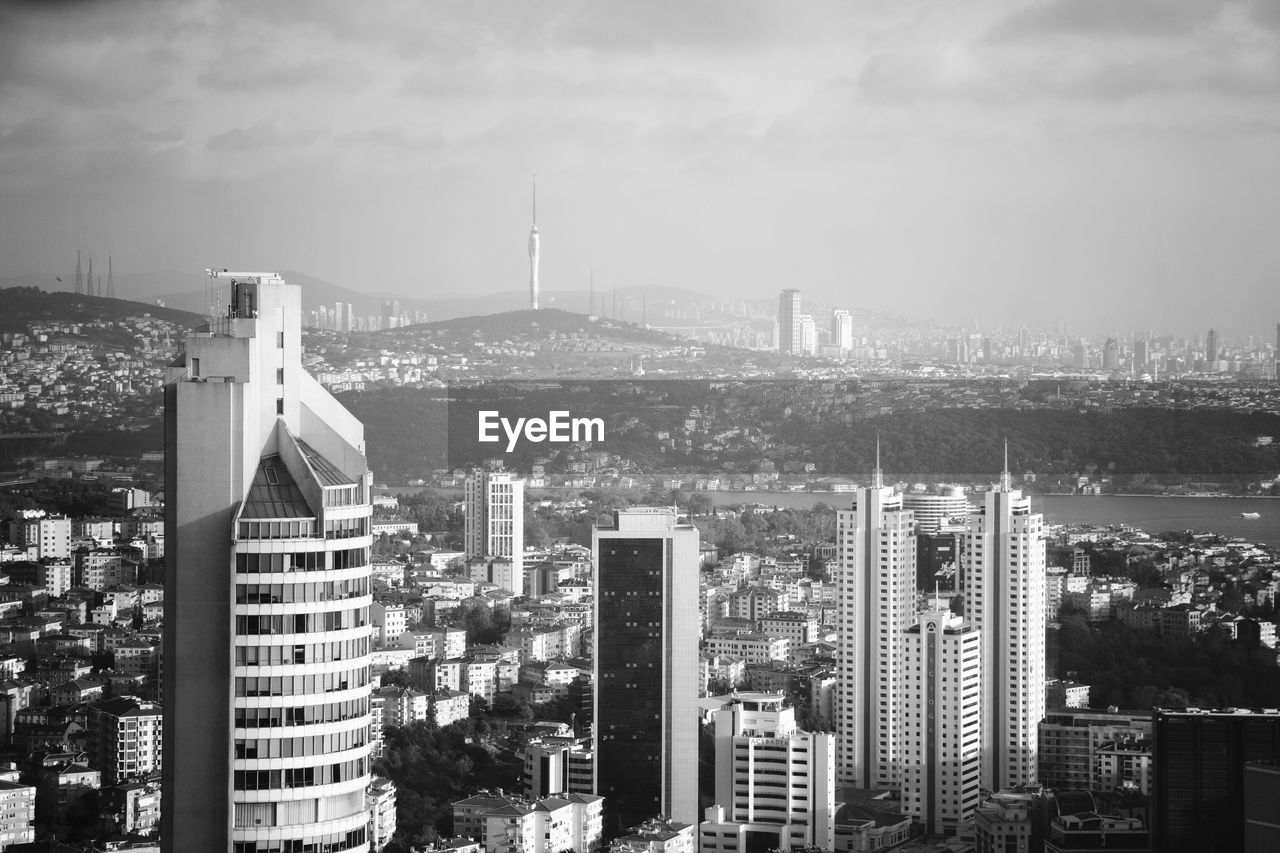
column 1114, row 160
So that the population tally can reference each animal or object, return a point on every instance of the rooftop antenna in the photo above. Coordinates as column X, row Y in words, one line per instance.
column 79, row 275
column 1006, row 481
column 89, row 280
column 111, row 282
column 877, row 475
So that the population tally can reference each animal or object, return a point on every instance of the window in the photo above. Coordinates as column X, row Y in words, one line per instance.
column 279, row 375
column 280, row 405
column 195, row 368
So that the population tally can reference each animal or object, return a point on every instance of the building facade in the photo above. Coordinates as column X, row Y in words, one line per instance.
column 267, row 635
column 1003, row 579
column 790, row 340
column 941, row 722
column 646, row 657
column 493, row 532
column 876, row 565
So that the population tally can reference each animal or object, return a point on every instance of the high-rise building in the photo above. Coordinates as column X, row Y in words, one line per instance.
column 842, row 329
column 808, row 335
column 493, row 531
column 941, row 721
column 1200, row 761
column 775, row 784
column 535, row 250
column 646, row 658
column 789, row 320
column 1211, row 348
column 1140, row 353
column 1110, row 354
column 1003, row 579
column 876, row 565
column 266, row 629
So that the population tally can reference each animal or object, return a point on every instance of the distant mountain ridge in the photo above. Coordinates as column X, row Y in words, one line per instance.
column 186, row 290
column 25, row 304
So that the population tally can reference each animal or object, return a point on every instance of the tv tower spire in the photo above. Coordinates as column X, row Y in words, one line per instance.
column 534, row 249
column 79, row 275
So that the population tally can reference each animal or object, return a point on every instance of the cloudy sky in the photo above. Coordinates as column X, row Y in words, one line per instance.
column 1115, row 162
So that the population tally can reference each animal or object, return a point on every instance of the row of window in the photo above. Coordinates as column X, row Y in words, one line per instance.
column 299, row 777
column 290, row 747
column 305, row 715
column 302, row 653
column 344, row 496
column 302, row 685
column 301, row 623
column 346, row 528
column 334, row 842
column 303, row 561
column 295, row 529
column 290, row 593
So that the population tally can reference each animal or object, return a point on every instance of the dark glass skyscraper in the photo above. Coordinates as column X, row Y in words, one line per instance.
column 1199, row 762
column 646, row 657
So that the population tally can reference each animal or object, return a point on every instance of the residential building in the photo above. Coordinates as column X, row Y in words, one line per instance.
column 1002, row 576
column 941, row 721
column 556, row 764
column 125, row 739
column 493, row 533
column 876, row 568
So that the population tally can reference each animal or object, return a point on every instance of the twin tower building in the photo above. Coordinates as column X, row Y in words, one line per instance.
column 931, row 704
column 266, row 679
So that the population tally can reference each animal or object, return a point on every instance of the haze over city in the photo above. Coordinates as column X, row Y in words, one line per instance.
column 1112, row 164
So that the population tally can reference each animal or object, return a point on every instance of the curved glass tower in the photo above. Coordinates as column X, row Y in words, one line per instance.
column 267, row 636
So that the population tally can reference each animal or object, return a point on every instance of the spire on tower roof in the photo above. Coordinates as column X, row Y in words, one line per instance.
column 535, row 199
column 1006, row 481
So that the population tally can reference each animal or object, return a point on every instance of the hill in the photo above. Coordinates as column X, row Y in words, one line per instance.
column 521, row 323
column 23, row 305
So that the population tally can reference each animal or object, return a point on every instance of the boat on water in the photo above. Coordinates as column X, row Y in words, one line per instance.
column 1251, row 515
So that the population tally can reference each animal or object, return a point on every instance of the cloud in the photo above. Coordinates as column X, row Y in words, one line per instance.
column 252, row 71
column 1095, row 18
column 277, row 132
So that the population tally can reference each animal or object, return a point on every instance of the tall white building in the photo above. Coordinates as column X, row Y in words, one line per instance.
column 493, row 531
column 842, row 329
column 646, row 659
column 789, row 332
column 1003, row 580
column 267, row 635
column 808, row 335
column 772, row 779
column 876, row 584
column 941, row 721
column 535, row 250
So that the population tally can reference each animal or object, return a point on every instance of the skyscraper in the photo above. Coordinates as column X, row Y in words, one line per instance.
column 941, row 721
column 493, row 528
column 1211, row 349
column 842, row 329
column 877, row 581
column 267, row 637
column 1003, row 579
column 535, row 245
column 646, row 658
column 1200, row 759
column 789, row 334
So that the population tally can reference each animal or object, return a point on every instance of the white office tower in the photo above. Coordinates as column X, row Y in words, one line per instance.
column 935, row 509
column 266, row 628
column 775, row 784
column 808, row 335
column 1003, row 580
column 646, row 661
column 842, row 329
column 877, row 582
column 941, row 721
column 493, row 528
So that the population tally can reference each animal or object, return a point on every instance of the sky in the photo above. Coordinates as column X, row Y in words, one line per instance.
column 1114, row 163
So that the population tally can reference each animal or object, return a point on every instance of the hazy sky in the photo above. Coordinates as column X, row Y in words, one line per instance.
column 1117, row 161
